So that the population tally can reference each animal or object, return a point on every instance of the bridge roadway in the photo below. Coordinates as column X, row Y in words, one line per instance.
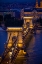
column 34, row 51
column 10, row 60
column 6, row 55
column 21, row 57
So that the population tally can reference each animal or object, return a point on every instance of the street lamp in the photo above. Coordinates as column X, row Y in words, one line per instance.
column 20, row 45
column 7, row 62
column 12, row 49
column 10, row 55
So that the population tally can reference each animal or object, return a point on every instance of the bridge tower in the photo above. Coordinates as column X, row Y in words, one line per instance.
column 29, row 21
column 36, row 4
column 16, row 33
column 40, row 3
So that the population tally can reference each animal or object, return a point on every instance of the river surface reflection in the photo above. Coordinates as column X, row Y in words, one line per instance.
column 3, row 38
column 35, row 49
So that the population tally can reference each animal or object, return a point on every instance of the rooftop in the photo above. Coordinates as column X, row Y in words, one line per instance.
column 31, row 9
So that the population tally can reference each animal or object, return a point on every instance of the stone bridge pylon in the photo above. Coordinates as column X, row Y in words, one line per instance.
column 14, row 33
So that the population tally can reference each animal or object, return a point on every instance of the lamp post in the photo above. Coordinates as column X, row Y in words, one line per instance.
column 10, row 56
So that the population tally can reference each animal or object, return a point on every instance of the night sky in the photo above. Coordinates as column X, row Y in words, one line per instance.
column 10, row 1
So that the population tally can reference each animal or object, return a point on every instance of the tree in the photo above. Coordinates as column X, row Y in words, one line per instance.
column 1, row 19
column 12, row 21
column 40, row 19
column 7, row 19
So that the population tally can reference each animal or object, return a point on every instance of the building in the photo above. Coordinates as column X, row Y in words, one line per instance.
column 7, row 12
column 30, row 14
column 13, row 12
column 37, row 6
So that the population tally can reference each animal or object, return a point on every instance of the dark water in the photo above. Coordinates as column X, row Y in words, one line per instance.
column 3, row 38
column 35, row 49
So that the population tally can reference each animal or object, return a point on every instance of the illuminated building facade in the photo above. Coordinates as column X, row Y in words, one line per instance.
column 41, row 4
column 30, row 14
column 37, row 6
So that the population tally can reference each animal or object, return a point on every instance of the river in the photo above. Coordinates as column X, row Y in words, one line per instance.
column 35, row 49
column 3, row 38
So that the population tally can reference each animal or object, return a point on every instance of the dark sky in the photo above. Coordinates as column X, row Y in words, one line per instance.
column 29, row 1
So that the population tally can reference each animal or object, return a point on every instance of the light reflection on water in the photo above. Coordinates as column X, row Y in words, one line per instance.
column 35, row 49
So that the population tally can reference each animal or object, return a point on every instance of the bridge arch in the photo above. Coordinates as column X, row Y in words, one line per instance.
column 28, row 20
column 14, row 32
